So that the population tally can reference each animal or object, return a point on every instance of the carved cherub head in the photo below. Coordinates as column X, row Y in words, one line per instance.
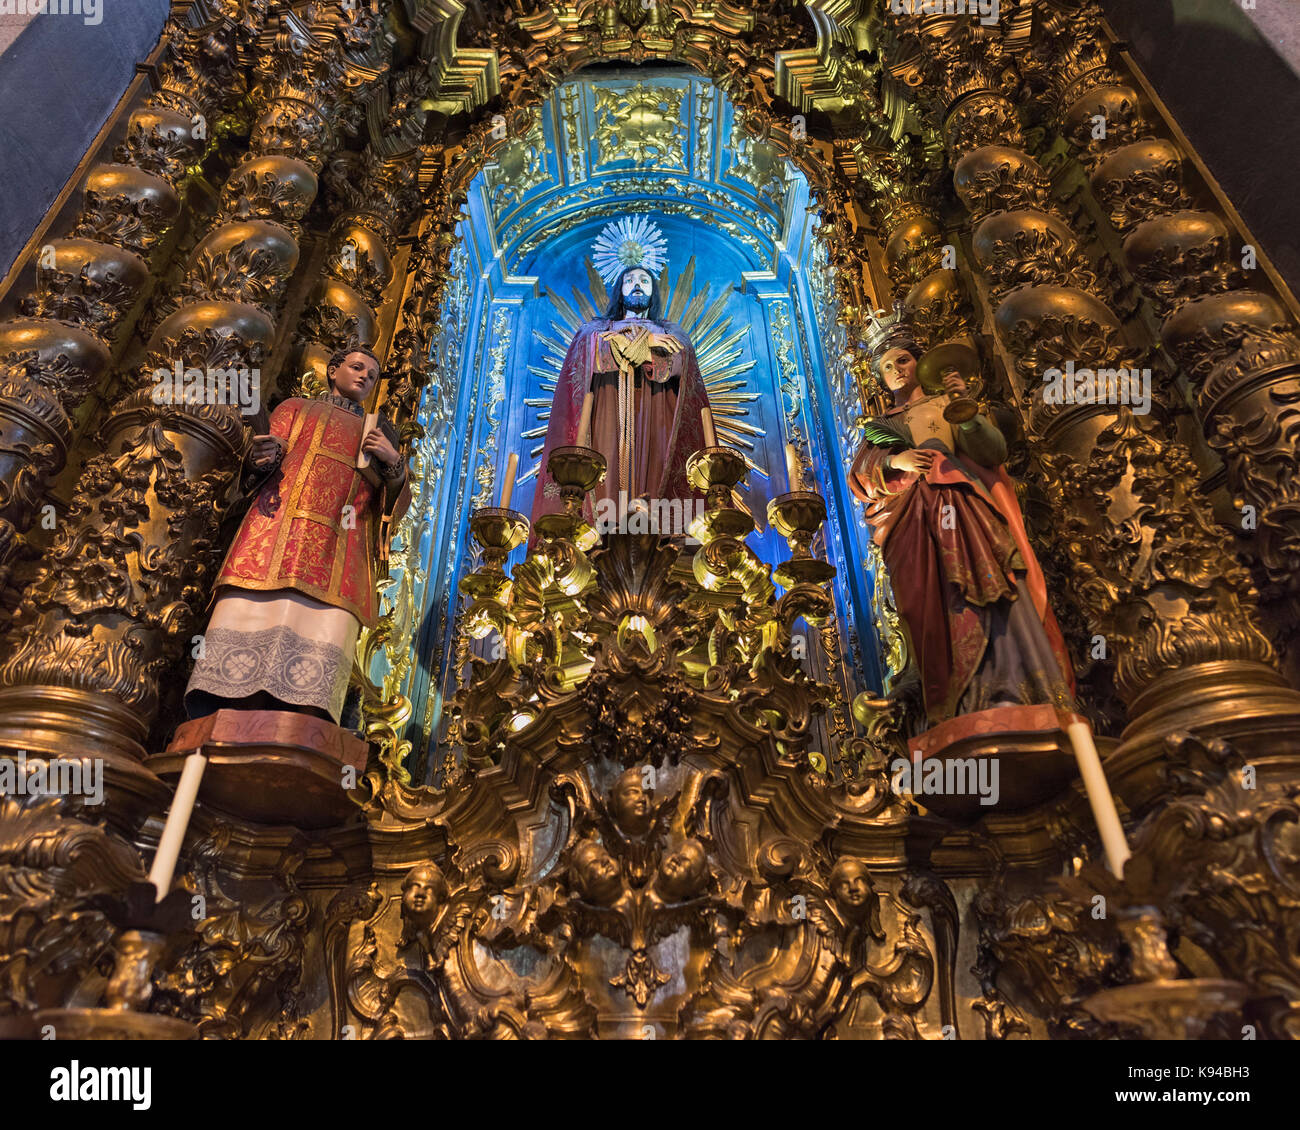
column 596, row 875
column 631, row 804
column 851, row 888
column 683, row 871
column 424, row 891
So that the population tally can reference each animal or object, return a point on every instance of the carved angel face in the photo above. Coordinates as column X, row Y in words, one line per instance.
column 423, row 890
column 898, row 370
column 598, row 877
column 630, row 804
column 355, row 376
column 851, row 886
column 681, row 874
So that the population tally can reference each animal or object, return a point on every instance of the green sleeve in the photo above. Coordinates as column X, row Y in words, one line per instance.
column 980, row 439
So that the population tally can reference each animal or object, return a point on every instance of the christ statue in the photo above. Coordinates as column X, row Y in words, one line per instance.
column 630, row 388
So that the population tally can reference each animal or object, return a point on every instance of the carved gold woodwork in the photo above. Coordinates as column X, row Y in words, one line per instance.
column 1156, row 575
column 376, row 199
column 90, row 283
column 1219, row 313
column 642, row 813
column 126, row 579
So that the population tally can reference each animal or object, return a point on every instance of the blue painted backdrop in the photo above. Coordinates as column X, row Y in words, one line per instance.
column 665, row 145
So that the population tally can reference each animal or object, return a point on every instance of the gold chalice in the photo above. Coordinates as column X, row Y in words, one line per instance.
column 797, row 516
column 497, row 531
column 716, row 471
column 957, row 356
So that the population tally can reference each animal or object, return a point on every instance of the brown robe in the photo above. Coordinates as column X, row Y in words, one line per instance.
column 667, row 395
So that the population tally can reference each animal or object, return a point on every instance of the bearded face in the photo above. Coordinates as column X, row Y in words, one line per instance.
column 637, row 288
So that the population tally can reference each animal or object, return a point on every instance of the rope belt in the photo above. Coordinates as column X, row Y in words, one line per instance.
column 630, row 350
column 626, row 428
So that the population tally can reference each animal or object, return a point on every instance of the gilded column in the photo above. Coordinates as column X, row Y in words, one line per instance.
column 1230, row 332
column 1157, row 578
column 90, row 283
column 376, row 199
column 123, row 589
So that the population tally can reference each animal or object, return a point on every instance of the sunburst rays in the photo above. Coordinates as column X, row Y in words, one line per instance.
column 633, row 241
column 719, row 348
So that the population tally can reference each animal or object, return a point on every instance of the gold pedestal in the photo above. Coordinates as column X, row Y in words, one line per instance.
column 1028, row 744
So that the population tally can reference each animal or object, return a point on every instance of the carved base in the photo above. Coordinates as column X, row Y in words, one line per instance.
column 1247, row 704
column 1028, row 744
column 269, row 766
column 1169, row 1010
column 113, row 1024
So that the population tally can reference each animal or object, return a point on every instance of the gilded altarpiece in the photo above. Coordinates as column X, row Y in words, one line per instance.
column 632, row 788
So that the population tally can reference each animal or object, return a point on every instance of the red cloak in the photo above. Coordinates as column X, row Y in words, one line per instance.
column 946, row 565
column 669, row 395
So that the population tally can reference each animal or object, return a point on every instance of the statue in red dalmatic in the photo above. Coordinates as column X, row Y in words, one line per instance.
column 299, row 580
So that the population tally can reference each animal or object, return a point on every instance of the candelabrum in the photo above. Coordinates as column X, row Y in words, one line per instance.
column 717, row 471
column 497, row 531
column 568, row 535
column 149, row 929
column 797, row 516
column 721, row 529
column 1158, row 1003
column 577, row 471
column 723, row 557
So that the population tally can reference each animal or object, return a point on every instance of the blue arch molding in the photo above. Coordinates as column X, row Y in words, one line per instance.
column 665, row 145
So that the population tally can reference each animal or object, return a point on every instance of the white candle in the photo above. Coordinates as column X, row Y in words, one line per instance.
column 178, row 820
column 1099, row 797
column 706, row 418
column 512, row 465
column 584, row 422
column 792, row 467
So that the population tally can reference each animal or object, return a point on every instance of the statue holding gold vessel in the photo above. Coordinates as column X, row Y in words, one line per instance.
column 968, row 587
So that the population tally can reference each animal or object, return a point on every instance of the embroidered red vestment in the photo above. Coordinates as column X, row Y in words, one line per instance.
column 314, row 526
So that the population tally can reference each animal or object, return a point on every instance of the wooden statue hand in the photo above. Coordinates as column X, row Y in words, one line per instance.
column 376, row 444
column 665, row 343
column 954, row 382
column 266, row 452
column 916, row 460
